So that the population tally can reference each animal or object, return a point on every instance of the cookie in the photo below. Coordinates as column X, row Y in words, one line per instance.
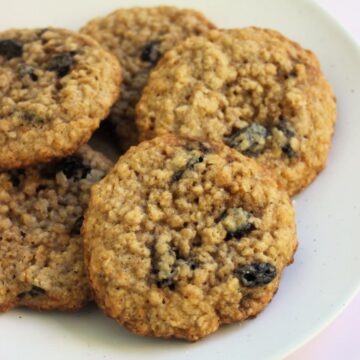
column 56, row 87
column 182, row 236
column 138, row 37
column 41, row 213
column 252, row 89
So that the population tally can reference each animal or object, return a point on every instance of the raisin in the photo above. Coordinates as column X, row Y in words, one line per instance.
column 10, row 48
column 168, row 282
column 193, row 263
column 204, row 149
column 72, row 167
column 75, row 230
column 31, row 117
column 151, row 52
column 33, row 77
column 240, row 232
column 61, row 63
column 222, row 216
column 291, row 74
column 177, row 175
column 189, row 166
column 197, row 241
column 163, row 280
column 28, row 70
column 237, row 223
column 288, row 150
column 289, row 134
column 256, row 274
column 15, row 176
column 285, row 129
column 34, row 292
column 250, row 141
column 195, row 160
column 154, row 265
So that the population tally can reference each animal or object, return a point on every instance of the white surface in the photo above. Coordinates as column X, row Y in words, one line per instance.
column 325, row 274
column 340, row 339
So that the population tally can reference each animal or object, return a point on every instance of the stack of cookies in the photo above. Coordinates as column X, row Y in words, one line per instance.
column 193, row 226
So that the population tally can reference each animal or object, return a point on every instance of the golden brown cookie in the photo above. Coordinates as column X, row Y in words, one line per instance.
column 41, row 250
column 251, row 89
column 55, row 88
column 182, row 236
column 138, row 37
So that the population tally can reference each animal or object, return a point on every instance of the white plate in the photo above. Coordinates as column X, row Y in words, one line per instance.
column 325, row 275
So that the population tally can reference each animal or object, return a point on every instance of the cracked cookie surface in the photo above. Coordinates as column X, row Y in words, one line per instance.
column 182, row 236
column 252, row 89
column 56, row 86
column 41, row 213
column 138, row 37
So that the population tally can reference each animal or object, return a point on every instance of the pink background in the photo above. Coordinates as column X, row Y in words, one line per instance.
column 341, row 339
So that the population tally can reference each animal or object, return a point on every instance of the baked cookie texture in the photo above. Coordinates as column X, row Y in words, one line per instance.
column 182, row 236
column 41, row 249
column 252, row 89
column 56, row 87
column 138, row 37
